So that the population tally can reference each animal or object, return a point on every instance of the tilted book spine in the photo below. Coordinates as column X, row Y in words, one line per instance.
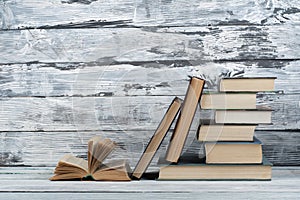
column 157, row 138
column 185, row 119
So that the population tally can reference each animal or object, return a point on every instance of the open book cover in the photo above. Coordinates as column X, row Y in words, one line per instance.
column 70, row 167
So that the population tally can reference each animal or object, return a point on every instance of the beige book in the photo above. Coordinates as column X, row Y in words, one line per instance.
column 157, row 138
column 233, row 152
column 247, row 116
column 226, row 132
column 71, row 167
column 216, row 172
column 214, row 100
column 249, row 84
column 185, row 119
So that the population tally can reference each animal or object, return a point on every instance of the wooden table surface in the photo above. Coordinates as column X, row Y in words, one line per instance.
column 32, row 183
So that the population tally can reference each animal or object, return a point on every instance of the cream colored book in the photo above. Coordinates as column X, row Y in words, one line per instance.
column 232, row 100
column 226, row 132
column 261, row 115
column 249, row 84
column 202, row 171
column 70, row 167
column 233, row 152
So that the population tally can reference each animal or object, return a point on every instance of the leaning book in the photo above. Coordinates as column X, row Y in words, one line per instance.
column 185, row 119
column 157, row 138
column 72, row 168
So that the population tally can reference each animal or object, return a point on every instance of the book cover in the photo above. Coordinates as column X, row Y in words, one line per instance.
column 228, row 100
column 260, row 115
column 185, row 119
column 225, row 132
column 251, row 84
column 157, row 138
column 192, row 171
column 233, row 152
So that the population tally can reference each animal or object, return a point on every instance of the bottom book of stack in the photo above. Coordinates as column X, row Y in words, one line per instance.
column 196, row 169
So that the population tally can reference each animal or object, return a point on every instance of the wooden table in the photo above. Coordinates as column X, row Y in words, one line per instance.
column 32, row 183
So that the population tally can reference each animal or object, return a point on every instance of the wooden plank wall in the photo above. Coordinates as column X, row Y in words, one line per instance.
column 70, row 69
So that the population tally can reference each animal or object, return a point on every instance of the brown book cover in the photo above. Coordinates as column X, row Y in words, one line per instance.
column 185, row 119
column 157, row 138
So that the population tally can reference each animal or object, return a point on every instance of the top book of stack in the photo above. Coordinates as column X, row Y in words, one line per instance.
column 247, row 84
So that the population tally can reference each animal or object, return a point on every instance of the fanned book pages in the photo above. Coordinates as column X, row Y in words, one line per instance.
column 157, row 138
column 71, row 167
column 185, row 119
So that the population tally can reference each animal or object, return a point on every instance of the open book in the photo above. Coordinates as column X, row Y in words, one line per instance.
column 70, row 167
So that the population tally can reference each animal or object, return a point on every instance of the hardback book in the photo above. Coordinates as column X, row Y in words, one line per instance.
column 71, row 168
column 250, row 84
column 185, row 119
column 157, row 138
column 233, row 152
column 261, row 115
column 201, row 171
column 230, row 100
column 225, row 132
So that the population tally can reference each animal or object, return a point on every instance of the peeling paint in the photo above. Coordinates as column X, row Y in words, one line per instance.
column 78, row 1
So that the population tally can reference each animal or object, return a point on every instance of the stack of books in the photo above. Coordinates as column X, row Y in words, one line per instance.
column 232, row 152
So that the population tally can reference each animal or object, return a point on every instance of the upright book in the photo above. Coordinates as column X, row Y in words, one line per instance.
column 233, row 152
column 185, row 119
column 157, row 138
column 251, row 84
column 71, row 167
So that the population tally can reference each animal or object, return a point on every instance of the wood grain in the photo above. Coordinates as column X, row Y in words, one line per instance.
column 143, row 79
column 94, row 13
column 70, row 69
column 43, row 173
column 119, row 113
column 121, row 45
column 46, row 148
column 285, row 184
column 154, row 195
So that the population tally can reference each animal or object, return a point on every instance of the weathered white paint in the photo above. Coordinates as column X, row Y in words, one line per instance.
column 150, row 79
column 119, row 113
column 46, row 148
column 285, row 184
column 96, row 13
column 85, row 57
column 110, row 45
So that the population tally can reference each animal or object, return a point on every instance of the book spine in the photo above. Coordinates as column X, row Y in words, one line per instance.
column 185, row 119
column 157, row 138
